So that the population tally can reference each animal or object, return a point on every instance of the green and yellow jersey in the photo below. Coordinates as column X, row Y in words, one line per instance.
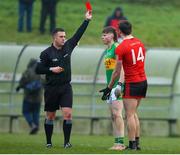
column 110, row 62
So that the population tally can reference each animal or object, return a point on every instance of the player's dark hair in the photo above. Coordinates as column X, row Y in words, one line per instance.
column 56, row 30
column 125, row 27
column 110, row 29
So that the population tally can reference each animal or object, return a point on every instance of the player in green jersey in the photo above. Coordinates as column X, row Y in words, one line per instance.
column 109, row 38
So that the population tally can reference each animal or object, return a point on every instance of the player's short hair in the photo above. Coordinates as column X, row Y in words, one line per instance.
column 125, row 27
column 56, row 30
column 110, row 29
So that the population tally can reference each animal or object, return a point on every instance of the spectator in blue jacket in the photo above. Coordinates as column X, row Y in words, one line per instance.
column 31, row 83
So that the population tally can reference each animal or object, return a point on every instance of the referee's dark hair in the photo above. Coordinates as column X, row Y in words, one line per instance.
column 56, row 30
column 110, row 29
column 125, row 27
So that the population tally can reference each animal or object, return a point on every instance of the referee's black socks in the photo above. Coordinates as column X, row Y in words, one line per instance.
column 67, row 125
column 48, row 127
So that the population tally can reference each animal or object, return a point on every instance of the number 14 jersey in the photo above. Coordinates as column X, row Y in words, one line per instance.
column 132, row 53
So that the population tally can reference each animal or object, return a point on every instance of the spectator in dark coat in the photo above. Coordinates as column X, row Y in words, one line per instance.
column 25, row 8
column 48, row 7
column 31, row 83
column 115, row 19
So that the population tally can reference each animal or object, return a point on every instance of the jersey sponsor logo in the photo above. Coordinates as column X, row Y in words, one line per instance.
column 65, row 55
column 55, row 60
column 110, row 63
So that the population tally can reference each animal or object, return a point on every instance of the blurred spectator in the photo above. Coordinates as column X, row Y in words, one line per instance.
column 25, row 8
column 115, row 19
column 48, row 7
column 32, row 85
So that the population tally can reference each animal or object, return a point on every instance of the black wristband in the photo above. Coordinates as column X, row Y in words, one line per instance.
column 109, row 88
column 120, row 83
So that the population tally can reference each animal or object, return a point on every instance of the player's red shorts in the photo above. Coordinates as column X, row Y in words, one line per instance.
column 135, row 90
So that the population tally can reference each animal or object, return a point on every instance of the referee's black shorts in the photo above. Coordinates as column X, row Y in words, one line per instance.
column 58, row 96
column 135, row 90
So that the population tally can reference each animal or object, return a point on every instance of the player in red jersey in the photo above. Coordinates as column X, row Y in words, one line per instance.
column 131, row 54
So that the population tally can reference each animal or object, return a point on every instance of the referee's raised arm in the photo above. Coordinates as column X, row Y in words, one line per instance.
column 80, row 31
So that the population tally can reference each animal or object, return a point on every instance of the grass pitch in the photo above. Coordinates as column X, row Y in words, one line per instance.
column 156, row 24
column 82, row 144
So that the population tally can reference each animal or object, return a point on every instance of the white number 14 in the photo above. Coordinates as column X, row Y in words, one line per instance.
column 139, row 57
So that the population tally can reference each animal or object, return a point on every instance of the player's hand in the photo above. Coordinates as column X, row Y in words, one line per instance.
column 118, row 90
column 106, row 93
column 57, row 69
column 88, row 15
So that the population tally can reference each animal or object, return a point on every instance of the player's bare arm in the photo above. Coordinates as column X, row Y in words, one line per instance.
column 116, row 73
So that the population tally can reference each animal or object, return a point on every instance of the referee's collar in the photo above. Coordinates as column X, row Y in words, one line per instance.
column 55, row 47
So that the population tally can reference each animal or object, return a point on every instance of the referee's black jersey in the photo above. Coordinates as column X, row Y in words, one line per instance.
column 52, row 57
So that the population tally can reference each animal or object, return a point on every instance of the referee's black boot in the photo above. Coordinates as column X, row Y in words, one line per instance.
column 49, row 146
column 67, row 145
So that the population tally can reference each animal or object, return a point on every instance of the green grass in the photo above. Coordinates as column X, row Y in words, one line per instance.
column 25, row 144
column 156, row 24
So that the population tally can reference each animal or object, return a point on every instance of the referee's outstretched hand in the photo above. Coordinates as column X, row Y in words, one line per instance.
column 106, row 93
column 88, row 15
column 57, row 69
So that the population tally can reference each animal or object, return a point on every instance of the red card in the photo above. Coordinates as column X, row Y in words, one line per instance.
column 88, row 6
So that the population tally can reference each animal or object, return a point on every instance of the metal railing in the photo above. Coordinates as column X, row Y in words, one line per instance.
column 153, row 82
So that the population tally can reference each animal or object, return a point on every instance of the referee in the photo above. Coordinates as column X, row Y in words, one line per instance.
column 55, row 63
